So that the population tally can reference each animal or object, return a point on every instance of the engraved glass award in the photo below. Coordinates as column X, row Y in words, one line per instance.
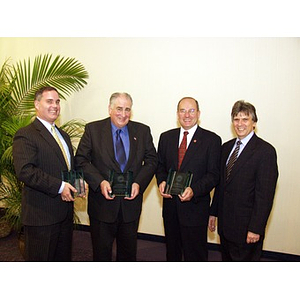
column 121, row 183
column 76, row 179
column 177, row 182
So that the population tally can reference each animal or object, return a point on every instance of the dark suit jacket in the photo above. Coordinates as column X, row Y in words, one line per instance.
column 244, row 202
column 39, row 162
column 95, row 154
column 202, row 158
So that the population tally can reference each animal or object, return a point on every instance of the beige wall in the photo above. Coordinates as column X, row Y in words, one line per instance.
column 157, row 72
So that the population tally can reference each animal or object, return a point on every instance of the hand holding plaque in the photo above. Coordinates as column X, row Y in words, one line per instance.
column 76, row 179
column 177, row 182
column 121, row 183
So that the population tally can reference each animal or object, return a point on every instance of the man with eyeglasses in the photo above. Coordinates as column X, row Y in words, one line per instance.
column 186, row 215
column 119, row 145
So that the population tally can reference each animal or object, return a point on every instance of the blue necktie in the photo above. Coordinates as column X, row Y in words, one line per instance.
column 120, row 151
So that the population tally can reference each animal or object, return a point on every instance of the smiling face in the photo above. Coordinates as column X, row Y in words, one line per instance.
column 188, row 113
column 120, row 110
column 243, row 124
column 48, row 107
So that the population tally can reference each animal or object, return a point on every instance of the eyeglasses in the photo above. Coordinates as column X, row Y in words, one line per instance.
column 191, row 111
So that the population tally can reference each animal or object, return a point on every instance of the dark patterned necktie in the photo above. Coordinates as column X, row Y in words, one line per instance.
column 182, row 149
column 120, row 150
column 232, row 159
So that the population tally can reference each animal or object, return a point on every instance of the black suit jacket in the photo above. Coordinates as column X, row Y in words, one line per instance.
column 244, row 202
column 95, row 154
column 202, row 158
column 38, row 162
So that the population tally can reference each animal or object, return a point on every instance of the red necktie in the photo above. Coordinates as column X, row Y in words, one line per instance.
column 182, row 149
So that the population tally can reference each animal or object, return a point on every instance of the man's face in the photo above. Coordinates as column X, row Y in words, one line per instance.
column 243, row 125
column 120, row 111
column 187, row 113
column 48, row 108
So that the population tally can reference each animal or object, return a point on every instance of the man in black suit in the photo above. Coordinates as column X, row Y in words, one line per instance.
column 47, row 202
column 186, row 216
column 114, row 216
column 243, row 200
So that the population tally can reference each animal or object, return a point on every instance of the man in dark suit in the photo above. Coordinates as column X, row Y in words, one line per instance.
column 47, row 202
column 116, row 216
column 186, row 216
column 243, row 200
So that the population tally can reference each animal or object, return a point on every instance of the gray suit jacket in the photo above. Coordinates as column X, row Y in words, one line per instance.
column 39, row 162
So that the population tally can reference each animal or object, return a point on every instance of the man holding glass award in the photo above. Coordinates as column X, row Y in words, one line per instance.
column 188, row 169
column 118, row 159
column 42, row 155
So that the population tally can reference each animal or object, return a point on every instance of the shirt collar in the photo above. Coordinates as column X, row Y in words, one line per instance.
column 45, row 123
column 246, row 139
column 191, row 131
column 114, row 128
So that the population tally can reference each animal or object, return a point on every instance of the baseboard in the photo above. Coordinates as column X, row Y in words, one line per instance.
column 278, row 256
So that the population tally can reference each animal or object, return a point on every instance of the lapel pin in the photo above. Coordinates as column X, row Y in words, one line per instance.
column 134, row 138
column 195, row 141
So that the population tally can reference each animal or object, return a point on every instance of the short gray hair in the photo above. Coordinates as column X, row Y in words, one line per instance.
column 116, row 95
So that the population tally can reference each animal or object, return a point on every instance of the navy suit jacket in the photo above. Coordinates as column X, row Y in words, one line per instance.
column 38, row 162
column 244, row 202
column 95, row 154
column 202, row 158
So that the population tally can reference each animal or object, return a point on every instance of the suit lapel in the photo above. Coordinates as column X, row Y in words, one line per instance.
column 133, row 141
column 173, row 144
column 107, row 140
column 226, row 151
column 243, row 157
column 46, row 135
column 69, row 144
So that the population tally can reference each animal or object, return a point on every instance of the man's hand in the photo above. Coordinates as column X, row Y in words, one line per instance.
column 66, row 194
column 135, row 189
column 212, row 223
column 187, row 195
column 106, row 190
column 252, row 237
column 161, row 189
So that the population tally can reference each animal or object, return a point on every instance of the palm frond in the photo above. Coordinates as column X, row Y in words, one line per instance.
column 65, row 74
column 8, row 129
column 7, row 81
column 11, row 196
column 74, row 128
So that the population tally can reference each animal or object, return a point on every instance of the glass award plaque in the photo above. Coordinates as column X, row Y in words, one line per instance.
column 121, row 183
column 177, row 182
column 76, row 179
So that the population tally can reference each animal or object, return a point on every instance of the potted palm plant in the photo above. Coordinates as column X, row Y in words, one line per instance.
column 18, row 84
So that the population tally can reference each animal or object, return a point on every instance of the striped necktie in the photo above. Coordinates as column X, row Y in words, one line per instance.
column 60, row 146
column 232, row 159
column 182, row 149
